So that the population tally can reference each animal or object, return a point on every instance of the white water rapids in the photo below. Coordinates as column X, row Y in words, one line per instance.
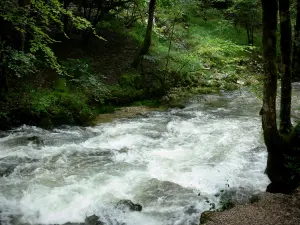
column 169, row 162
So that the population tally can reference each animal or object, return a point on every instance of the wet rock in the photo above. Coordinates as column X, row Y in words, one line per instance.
column 69, row 223
column 238, row 195
column 8, row 164
column 191, row 210
column 90, row 220
column 6, row 171
column 46, row 123
column 93, row 220
column 36, row 140
column 124, row 150
column 206, row 216
column 164, row 192
column 129, row 205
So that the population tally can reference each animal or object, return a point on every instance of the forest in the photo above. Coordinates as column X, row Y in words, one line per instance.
column 95, row 93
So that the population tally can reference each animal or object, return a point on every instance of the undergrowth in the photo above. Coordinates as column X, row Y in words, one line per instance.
column 189, row 55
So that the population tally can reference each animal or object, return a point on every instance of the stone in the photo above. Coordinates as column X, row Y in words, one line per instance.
column 36, row 140
column 129, row 205
column 206, row 216
column 93, row 220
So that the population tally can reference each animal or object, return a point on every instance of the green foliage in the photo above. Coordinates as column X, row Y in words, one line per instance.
column 246, row 12
column 191, row 53
column 21, row 63
column 148, row 103
column 125, row 95
column 133, row 80
column 83, row 78
column 25, row 20
column 59, row 107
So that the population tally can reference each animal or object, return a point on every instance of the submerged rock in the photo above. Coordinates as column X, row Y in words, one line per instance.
column 129, row 205
column 90, row 220
column 36, row 140
column 10, row 163
column 191, row 210
column 6, row 170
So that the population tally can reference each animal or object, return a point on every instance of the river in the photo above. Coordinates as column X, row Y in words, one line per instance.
column 174, row 163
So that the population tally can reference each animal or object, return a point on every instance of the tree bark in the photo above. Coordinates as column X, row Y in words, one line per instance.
column 286, row 51
column 270, row 8
column 147, row 41
column 275, row 164
column 280, row 148
column 296, row 46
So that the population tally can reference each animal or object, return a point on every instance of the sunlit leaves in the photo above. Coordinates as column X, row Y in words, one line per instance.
column 37, row 22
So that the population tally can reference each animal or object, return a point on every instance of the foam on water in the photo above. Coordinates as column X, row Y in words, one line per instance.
column 162, row 161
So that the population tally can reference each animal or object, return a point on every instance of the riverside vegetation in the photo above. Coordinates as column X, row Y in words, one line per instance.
column 64, row 67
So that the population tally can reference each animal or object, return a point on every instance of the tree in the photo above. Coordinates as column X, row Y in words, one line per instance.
column 286, row 51
column 247, row 14
column 147, row 41
column 26, row 34
column 280, row 144
column 95, row 10
column 296, row 45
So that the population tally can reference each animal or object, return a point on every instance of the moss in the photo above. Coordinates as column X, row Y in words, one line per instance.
column 104, row 109
column 148, row 103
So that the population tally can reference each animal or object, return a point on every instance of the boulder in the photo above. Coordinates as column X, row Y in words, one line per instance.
column 129, row 205
column 93, row 220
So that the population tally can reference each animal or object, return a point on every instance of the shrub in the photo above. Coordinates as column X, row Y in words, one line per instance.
column 59, row 107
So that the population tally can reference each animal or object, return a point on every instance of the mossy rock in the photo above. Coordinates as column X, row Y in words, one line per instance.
column 46, row 123
column 206, row 216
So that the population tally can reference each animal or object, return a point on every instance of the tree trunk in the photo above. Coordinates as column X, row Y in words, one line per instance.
column 3, row 78
column 270, row 8
column 272, row 138
column 296, row 47
column 280, row 149
column 286, row 51
column 147, row 41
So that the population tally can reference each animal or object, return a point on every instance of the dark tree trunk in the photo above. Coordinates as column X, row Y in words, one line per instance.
column 280, row 149
column 147, row 41
column 3, row 78
column 248, row 34
column 286, row 51
column 296, row 47
column 91, row 5
column 272, row 138
column 270, row 8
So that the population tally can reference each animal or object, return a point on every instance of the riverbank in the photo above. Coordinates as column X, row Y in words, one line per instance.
column 204, row 58
column 266, row 209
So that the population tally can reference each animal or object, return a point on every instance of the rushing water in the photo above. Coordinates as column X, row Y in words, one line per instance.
column 169, row 162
